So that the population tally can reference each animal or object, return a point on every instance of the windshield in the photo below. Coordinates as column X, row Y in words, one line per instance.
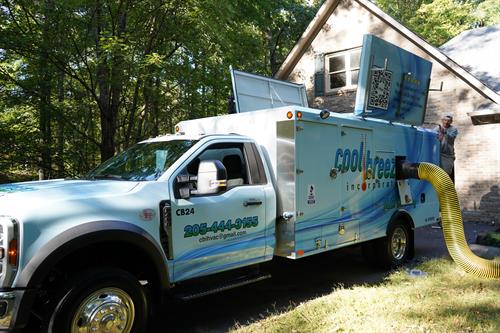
column 143, row 161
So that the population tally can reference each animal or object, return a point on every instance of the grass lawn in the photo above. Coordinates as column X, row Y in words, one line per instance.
column 446, row 300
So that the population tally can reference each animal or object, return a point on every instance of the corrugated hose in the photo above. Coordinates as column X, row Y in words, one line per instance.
column 451, row 220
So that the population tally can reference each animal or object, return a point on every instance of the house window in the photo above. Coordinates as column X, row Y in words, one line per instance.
column 342, row 69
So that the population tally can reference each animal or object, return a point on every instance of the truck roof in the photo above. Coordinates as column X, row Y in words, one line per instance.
column 191, row 137
column 228, row 125
column 257, row 118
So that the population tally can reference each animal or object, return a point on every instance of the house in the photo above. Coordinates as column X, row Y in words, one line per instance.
column 326, row 60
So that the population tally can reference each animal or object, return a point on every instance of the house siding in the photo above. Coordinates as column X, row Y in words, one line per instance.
column 477, row 152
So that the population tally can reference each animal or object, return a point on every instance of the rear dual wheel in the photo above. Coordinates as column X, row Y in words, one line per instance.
column 393, row 250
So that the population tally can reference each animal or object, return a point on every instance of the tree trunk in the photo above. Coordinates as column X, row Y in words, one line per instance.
column 117, row 74
column 130, row 124
column 109, row 81
column 44, row 103
column 156, row 107
column 60, row 127
column 102, row 77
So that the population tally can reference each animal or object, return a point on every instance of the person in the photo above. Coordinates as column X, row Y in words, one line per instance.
column 447, row 134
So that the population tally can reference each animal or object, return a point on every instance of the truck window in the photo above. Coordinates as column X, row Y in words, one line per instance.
column 255, row 166
column 242, row 161
column 143, row 161
column 233, row 158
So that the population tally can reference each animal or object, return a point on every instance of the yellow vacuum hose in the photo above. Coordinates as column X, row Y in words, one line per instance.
column 451, row 220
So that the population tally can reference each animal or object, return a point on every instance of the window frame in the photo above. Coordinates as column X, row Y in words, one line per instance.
column 347, row 69
column 253, row 165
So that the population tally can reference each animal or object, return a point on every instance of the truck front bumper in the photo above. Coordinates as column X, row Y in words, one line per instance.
column 14, row 308
column 7, row 306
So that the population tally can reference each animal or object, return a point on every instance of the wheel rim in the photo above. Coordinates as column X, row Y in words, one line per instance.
column 398, row 243
column 108, row 310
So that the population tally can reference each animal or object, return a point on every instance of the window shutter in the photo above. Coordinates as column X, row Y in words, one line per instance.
column 319, row 75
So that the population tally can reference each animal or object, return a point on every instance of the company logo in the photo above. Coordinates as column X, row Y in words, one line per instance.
column 361, row 160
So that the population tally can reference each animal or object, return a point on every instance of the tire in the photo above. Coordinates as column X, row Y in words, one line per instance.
column 397, row 248
column 100, row 300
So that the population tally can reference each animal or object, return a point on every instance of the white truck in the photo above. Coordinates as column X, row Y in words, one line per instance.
column 218, row 198
column 81, row 254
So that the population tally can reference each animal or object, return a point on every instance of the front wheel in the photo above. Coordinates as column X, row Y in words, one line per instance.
column 99, row 300
column 395, row 249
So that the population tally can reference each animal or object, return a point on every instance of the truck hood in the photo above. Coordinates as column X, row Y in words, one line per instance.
column 16, row 197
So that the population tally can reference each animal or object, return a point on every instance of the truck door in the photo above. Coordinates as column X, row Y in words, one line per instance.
column 226, row 230
column 317, row 186
column 354, row 163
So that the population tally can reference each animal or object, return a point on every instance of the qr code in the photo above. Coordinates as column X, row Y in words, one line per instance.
column 380, row 89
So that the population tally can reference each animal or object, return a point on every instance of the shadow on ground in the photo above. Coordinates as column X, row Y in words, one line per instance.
column 293, row 282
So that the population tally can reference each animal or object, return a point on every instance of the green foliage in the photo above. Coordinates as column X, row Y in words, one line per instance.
column 93, row 76
column 437, row 21
column 401, row 10
column 96, row 76
column 442, row 20
column 491, row 239
column 488, row 12
column 18, row 150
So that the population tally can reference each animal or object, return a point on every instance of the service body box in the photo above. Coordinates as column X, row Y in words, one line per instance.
column 335, row 177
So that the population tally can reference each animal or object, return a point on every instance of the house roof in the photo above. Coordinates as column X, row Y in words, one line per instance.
column 477, row 51
column 327, row 9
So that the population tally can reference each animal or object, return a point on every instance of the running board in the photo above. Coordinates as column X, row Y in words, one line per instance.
column 223, row 287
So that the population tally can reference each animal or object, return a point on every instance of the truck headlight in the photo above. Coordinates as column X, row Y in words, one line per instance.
column 9, row 250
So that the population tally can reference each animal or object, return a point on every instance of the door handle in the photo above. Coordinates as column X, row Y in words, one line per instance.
column 252, row 202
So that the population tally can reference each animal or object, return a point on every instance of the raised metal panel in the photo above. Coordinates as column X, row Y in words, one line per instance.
column 393, row 83
column 254, row 92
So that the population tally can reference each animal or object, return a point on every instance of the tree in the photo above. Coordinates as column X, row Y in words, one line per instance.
column 437, row 21
column 442, row 20
column 401, row 10
column 488, row 12
column 95, row 76
column 281, row 23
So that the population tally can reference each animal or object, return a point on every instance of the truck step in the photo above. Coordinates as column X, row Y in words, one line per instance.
column 201, row 292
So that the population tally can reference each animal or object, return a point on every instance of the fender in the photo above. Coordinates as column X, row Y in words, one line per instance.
column 400, row 214
column 75, row 239
column 85, row 235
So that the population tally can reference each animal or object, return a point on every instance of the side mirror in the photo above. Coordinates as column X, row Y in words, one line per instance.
column 183, row 185
column 183, row 178
column 212, row 177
